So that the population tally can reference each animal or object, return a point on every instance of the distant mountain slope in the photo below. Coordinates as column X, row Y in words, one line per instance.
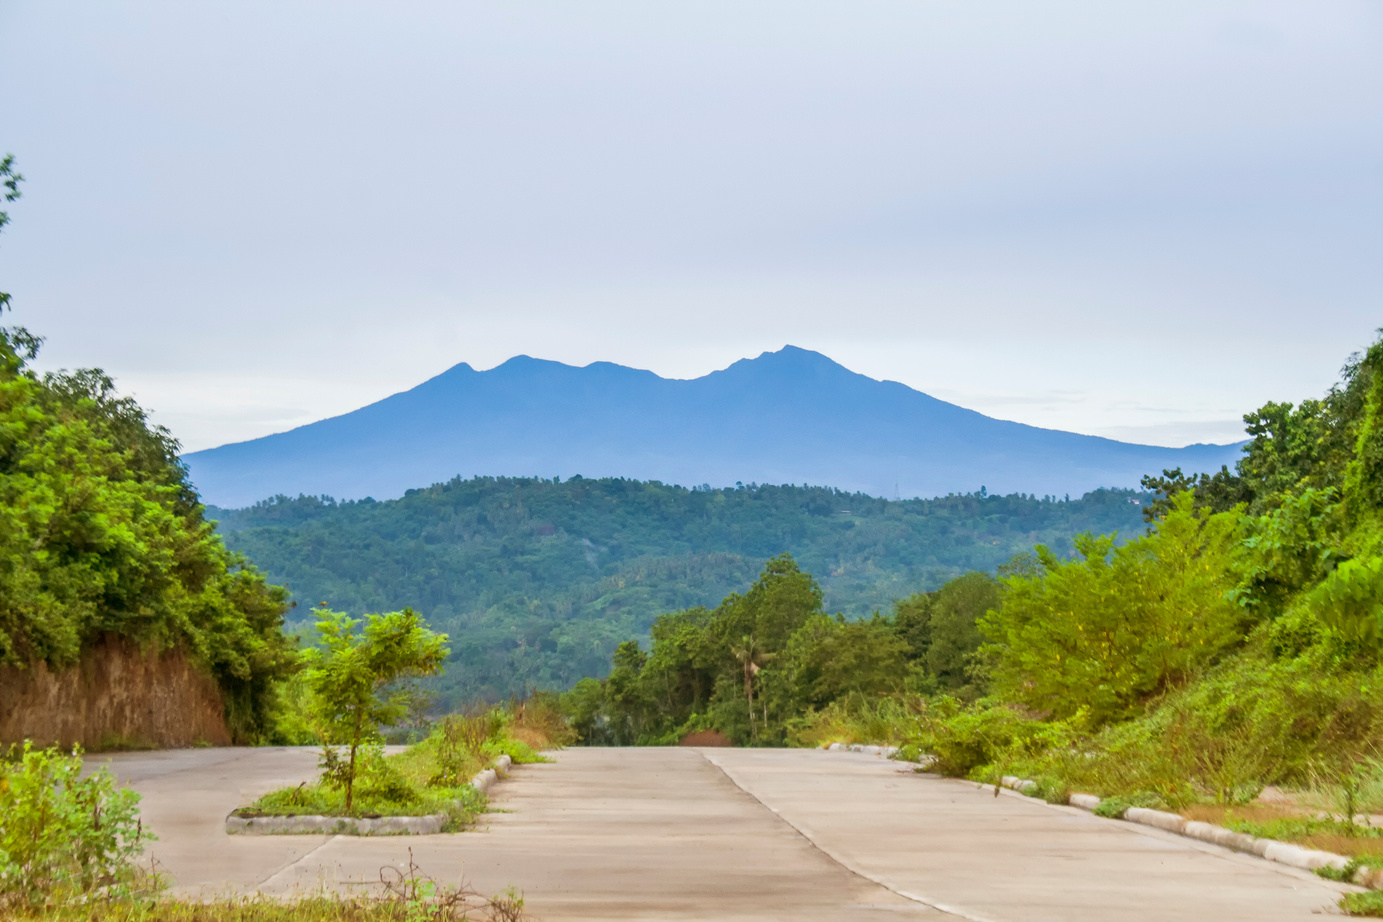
column 537, row 581
column 791, row 416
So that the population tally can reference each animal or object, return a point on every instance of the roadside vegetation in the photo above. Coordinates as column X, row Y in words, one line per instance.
column 1237, row 644
column 770, row 667
column 358, row 682
column 72, row 847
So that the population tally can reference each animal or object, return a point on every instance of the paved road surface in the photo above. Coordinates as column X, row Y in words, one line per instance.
column 732, row 834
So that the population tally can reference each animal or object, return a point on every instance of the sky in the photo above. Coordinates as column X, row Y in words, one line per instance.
column 1138, row 220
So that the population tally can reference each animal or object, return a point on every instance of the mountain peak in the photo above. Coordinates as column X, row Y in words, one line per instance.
column 787, row 416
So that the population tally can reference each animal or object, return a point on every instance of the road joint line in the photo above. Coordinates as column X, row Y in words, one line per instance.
column 805, row 833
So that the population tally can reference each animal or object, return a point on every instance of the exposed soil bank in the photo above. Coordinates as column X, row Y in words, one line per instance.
column 117, row 696
column 706, row 738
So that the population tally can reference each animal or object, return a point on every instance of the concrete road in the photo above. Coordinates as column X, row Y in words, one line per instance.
column 732, row 834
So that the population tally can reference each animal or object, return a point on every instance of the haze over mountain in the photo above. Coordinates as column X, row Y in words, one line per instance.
column 792, row 416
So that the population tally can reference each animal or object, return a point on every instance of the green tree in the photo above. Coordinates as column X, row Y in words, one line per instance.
column 1115, row 626
column 751, row 656
column 625, row 697
column 9, row 182
column 912, row 621
column 955, row 635
column 831, row 658
column 584, row 706
column 353, row 679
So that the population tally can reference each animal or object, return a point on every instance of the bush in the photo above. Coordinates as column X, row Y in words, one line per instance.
column 64, row 837
column 860, row 719
column 1369, row 903
column 964, row 740
column 1118, row 626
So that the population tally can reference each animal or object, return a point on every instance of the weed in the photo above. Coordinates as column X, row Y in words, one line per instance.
column 1368, row 903
column 1342, row 875
column 64, row 837
column 1114, row 807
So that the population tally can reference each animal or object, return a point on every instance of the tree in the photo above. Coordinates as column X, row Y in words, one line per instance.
column 351, row 679
column 751, row 656
column 9, row 181
column 955, row 635
column 912, row 622
column 831, row 658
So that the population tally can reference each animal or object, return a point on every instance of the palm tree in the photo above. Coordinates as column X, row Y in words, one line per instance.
column 752, row 656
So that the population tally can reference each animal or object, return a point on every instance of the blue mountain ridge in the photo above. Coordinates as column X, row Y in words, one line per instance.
column 791, row 416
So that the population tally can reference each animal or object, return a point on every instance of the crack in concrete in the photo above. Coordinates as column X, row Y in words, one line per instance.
column 295, row 862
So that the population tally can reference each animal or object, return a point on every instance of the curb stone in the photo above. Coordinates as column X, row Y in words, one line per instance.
column 1307, row 859
column 427, row 825
column 886, row 752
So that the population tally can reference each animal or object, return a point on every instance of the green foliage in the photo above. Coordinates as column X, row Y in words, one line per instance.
column 1292, row 546
column 1350, row 601
column 351, row 675
column 955, row 634
column 1113, row 807
column 429, row 777
column 390, row 798
column 545, row 579
column 770, row 667
column 405, row 897
column 987, row 738
column 829, row 659
column 1107, row 631
column 1290, row 828
column 1369, row 904
column 9, row 182
column 64, row 837
column 857, row 718
column 101, row 534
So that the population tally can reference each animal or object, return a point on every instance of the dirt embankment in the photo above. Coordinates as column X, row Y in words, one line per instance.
column 117, row 696
column 706, row 738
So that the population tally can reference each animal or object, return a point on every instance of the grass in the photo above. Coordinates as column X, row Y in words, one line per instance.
column 320, row 800
column 430, row 777
column 1369, row 903
column 403, row 896
column 310, row 909
column 1289, row 824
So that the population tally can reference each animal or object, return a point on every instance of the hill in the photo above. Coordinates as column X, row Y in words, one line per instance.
column 538, row 580
column 791, row 416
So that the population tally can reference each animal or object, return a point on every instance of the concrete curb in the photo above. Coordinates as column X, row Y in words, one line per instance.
column 886, row 752
column 428, row 825
column 1295, row 856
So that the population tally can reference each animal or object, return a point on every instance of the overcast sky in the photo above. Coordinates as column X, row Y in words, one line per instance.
column 1129, row 219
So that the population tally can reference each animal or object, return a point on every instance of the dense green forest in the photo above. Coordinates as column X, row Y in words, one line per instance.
column 101, row 534
column 537, row 581
column 1239, row 643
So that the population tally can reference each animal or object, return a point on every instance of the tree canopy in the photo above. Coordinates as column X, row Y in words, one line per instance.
column 101, row 534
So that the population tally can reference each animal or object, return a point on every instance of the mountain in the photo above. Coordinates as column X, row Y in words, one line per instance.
column 791, row 416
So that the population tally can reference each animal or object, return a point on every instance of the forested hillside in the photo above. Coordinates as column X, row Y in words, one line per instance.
column 102, row 541
column 538, row 580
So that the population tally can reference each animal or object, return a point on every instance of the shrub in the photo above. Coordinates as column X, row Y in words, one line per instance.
column 860, row 719
column 1118, row 626
column 64, row 836
column 1369, row 903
